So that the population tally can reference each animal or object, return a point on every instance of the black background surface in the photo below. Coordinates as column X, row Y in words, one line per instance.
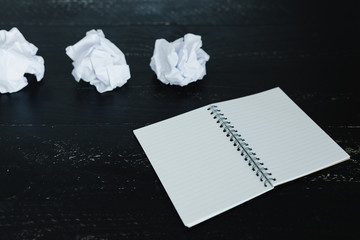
column 71, row 168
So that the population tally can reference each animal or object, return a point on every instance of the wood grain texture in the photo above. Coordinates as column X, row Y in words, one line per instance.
column 173, row 12
column 73, row 182
column 306, row 63
column 71, row 168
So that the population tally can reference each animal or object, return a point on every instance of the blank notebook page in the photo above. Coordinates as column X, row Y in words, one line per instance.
column 287, row 141
column 201, row 170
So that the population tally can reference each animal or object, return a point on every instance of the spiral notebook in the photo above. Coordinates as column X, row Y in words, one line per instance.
column 216, row 157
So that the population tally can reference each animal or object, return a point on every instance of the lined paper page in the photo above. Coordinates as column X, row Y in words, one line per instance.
column 201, row 170
column 289, row 143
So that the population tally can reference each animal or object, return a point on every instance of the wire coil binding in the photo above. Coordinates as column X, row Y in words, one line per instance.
column 256, row 165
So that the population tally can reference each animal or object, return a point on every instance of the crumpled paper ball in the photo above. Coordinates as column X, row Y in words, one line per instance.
column 98, row 61
column 17, row 57
column 180, row 62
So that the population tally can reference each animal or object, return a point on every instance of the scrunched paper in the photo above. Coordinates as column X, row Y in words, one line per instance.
column 98, row 61
column 180, row 62
column 17, row 57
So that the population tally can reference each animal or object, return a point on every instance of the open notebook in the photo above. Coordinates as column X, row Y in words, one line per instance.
column 216, row 157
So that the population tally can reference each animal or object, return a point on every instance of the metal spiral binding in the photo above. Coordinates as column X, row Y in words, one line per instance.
column 242, row 147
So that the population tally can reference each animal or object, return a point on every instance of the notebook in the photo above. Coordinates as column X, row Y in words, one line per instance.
column 216, row 157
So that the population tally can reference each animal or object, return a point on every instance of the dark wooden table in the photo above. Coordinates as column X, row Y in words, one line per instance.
column 71, row 168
